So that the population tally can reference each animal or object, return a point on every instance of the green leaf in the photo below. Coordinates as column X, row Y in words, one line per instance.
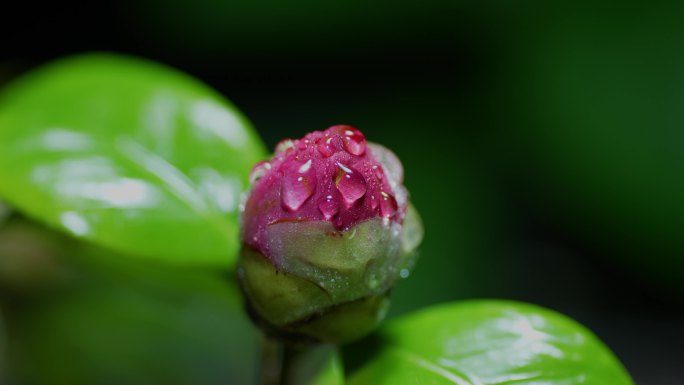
column 129, row 154
column 97, row 317
column 484, row 343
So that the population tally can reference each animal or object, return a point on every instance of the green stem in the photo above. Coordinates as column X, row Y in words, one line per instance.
column 284, row 364
column 272, row 365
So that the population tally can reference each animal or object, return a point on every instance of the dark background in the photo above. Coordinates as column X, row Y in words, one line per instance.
column 543, row 144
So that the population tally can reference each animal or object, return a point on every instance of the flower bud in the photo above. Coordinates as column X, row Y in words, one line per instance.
column 327, row 230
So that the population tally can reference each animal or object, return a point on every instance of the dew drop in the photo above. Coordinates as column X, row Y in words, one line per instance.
column 375, row 202
column 299, row 184
column 303, row 169
column 354, row 141
column 404, row 273
column 373, row 282
column 326, row 148
column 388, row 205
column 283, row 146
column 328, row 207
column 350, row 184
column 378, row 172
column 259, row 170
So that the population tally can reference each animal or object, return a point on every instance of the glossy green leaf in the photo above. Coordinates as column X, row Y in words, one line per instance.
column 129, row 154
column 484, row 343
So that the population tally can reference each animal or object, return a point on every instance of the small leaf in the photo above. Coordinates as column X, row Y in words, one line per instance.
column 129, row 154
column 484, row 343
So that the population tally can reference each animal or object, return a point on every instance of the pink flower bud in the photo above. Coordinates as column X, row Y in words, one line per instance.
column 323, row 231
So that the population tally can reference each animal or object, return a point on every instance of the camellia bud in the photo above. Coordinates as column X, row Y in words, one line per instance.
column 327, row 230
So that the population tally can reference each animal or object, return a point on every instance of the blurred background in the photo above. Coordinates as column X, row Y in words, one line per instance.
column 543, row 145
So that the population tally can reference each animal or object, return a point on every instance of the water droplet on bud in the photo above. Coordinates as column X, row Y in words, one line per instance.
column 388, row 205
column 299, row 184
column 350, row 184
column 378, row 172
column 259, row 170
column 303, row 169
column 373, row 281
column 328, row 207
column 327, row 146
column 375, row 202
column 283, row 146
column 325, row 150
column 354, row 141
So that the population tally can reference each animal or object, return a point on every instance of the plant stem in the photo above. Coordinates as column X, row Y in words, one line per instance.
column 272, row 354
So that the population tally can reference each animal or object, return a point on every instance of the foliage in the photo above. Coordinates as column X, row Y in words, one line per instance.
column 138, row 160
column 128, row 154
